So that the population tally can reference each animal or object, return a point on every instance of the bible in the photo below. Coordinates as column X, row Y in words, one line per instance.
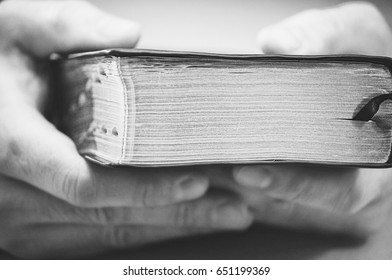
column 163, row 108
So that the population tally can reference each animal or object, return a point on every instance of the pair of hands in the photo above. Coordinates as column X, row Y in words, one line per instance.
column 55, row 204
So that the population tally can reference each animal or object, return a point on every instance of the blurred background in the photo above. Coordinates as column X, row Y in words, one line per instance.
column 227, row 26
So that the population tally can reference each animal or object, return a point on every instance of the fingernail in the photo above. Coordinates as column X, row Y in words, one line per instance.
column 253, row 176
column 120, row 31
column 276, row 41
column 231, row 214
column 191, row 186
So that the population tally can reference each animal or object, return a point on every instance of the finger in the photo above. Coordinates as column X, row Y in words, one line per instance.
column 220, row 212
column 23, row 205
column 339, row 190
column 70, row 241
column 289, row 214
column 39, row 154
column 41, row 27
column 356, row 28
column 36, row 225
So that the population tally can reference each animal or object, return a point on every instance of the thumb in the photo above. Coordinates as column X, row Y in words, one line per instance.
column 64, row 26
column 352, row 28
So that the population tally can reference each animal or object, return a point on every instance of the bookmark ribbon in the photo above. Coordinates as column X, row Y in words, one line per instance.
column 371, row 108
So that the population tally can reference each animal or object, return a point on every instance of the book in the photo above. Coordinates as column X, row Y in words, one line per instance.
column 163, row 108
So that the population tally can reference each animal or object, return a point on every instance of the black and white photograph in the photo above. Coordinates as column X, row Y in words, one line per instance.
column 254, row 130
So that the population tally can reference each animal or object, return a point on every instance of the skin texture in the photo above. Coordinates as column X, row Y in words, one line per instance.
column 53, row 203
column 353, row 201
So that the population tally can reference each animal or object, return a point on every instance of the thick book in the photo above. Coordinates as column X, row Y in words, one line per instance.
column 162, row 108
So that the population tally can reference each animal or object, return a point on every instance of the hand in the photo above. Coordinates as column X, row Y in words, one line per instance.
column 53, row 203
column 35, row 224
column 344, row 200
column 351, row 28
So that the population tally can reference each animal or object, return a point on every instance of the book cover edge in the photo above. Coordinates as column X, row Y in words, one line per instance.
column 386, row 61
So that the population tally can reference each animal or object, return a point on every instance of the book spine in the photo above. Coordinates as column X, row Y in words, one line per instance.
column 95, row 108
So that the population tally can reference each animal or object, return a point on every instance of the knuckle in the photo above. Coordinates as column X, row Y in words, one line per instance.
column 152, row 192
column 84, row 195
column 69, row 182
column 147, row 194
column 184, row 216
column 105, row 216
column 13, row 157
column 117, row 237
column 77, row 191
column 143, row 194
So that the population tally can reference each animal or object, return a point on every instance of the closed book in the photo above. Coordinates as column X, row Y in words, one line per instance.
column 163, row 108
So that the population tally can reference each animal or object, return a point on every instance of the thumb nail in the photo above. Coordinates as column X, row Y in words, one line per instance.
column 120, row 32
column 253, row 176
column 191, row 186
column 231, row 215
column 276, row 41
